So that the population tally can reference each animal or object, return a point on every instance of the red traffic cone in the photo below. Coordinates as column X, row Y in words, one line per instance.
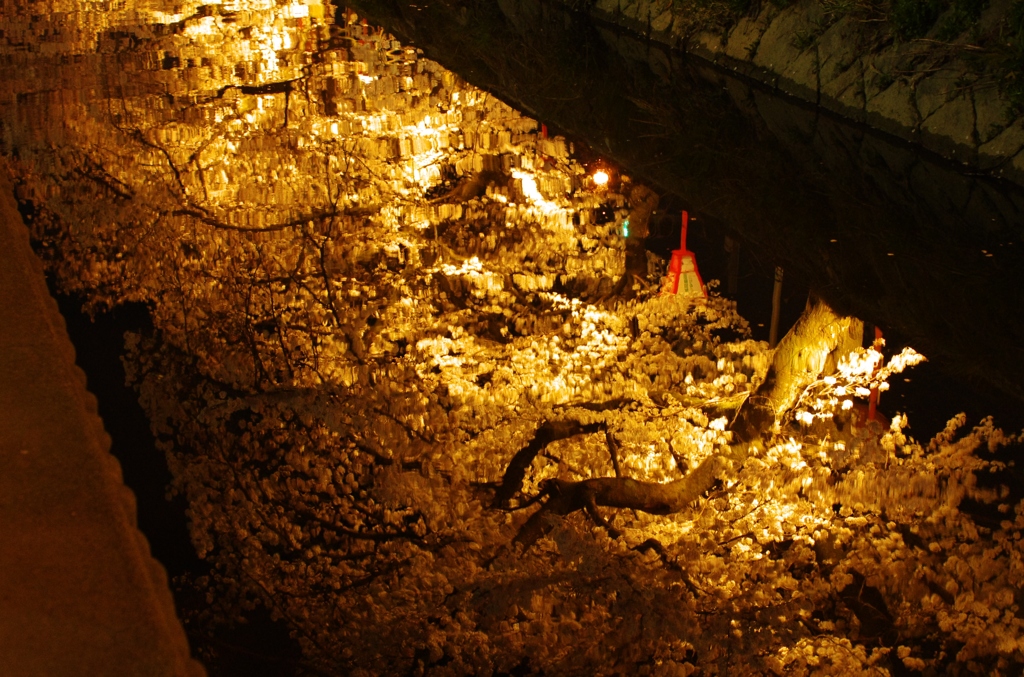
column 683, row 276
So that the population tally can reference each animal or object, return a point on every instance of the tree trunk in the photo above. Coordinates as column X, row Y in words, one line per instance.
column 644, row 201
column 809, row 350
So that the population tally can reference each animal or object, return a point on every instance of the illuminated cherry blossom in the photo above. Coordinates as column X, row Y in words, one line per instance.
column 428, row 406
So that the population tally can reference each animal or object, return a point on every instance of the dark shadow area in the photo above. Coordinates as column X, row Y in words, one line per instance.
column 258, row 647
column 98, row 345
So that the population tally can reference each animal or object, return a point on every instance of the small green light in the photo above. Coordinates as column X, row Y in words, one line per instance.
column 625, row 228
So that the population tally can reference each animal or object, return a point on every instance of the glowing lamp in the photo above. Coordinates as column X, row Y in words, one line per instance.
column 601, row 178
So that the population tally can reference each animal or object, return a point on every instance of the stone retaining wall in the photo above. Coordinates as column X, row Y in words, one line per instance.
column 921, row 91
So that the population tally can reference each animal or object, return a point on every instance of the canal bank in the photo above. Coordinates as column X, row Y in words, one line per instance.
column 945, row 87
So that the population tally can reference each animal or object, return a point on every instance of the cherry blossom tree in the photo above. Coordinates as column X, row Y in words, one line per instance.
column 429, row 408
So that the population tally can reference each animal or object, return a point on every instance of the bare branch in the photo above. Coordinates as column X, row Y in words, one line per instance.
column 549, row 432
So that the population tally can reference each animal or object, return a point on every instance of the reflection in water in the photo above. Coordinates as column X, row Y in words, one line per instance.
column 389, row 314
column 927, row 249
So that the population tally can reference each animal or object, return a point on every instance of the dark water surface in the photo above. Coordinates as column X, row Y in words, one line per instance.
column 896, row 236
column 902, row 239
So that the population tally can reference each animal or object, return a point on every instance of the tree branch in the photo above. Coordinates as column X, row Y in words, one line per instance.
column 810, row 347
column 550, row 431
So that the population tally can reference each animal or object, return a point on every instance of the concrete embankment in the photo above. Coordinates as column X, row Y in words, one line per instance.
column 80, row 593
column 943, row 96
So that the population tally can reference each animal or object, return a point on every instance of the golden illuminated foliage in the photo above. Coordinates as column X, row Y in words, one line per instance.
column 427, row 406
